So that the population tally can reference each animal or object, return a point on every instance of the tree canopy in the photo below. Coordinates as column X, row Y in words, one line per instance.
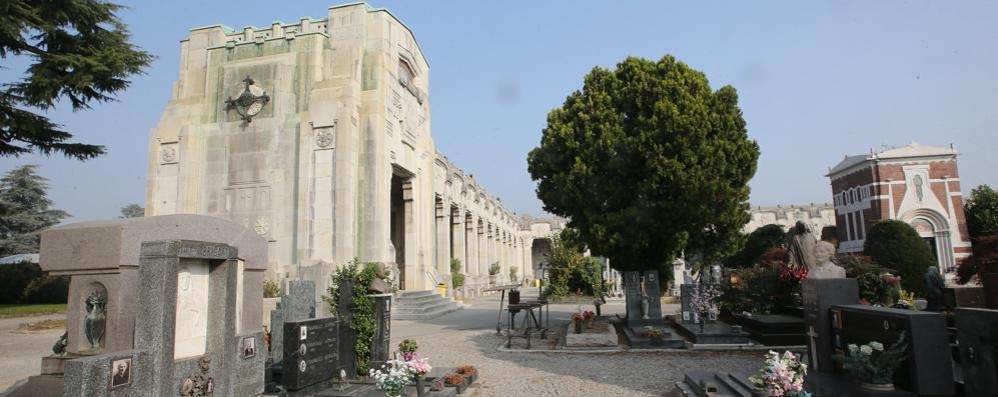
column 896, row 245
column 24, row 211
column 982, row 212
column 79, row 53
column 646, row 161
column 132, row 211
column 758, row 242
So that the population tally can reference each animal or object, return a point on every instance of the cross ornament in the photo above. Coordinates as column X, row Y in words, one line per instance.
column 812, row 335
column 249, row 102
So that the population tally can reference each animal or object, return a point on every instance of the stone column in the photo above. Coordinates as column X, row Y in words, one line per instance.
column 457, row 230
column 471, row 242
column 483, row 251
column 412, row 272
column 443, row 244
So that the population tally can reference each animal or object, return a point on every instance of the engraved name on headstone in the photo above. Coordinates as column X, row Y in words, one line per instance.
column 311, row 351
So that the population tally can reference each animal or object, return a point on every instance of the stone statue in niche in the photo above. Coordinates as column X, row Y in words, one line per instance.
column 801, row 250
column 934, row 286
column 823, row 265
column 917, row 180
column 93, row 323
column 378, row 284
column 198, row 384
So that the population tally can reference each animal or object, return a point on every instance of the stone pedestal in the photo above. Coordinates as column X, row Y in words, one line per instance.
column 820, row 295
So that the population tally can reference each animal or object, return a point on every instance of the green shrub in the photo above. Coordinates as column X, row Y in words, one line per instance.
column 757, row 289
column 455, row 265
column 896, row 245
column 494, row 269
column 271, row 289
column 361, row 316
column 512, row 273
column 457, row 280
column 14, row 278
column 47, row 289
column 756, row 244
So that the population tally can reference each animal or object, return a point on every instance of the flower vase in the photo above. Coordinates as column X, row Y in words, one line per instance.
column 578, row 326
column 877, row 386
column 420, row 386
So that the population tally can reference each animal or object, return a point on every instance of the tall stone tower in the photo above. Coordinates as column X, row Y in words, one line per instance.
column 916, row 184
column 315, row 135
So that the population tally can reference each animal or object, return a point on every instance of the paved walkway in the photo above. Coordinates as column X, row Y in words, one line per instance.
column 468, row 337
column 21, row 352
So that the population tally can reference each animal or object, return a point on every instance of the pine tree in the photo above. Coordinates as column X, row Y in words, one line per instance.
column 80, row 54
column 24, row 211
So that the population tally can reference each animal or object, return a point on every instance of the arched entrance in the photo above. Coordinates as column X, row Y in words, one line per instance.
column 933, row 228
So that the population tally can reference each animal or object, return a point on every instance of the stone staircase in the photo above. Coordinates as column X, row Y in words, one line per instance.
column 422, row 305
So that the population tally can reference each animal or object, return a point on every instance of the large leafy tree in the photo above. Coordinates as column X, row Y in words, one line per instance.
column 24, row 211
column 132, row 211
column 982, row 212
column 647, row 160
column 79, row 53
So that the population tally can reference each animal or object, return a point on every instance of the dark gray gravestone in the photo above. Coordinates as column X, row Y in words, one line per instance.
column 977, row 331
column 381, row 343
column 311, row 350
column 632, row 295
column 654, row 292
column 819, row 295
column 685, row 298
column 928, row 370
column 298, row 304
column 966, row 297
column 348, row 337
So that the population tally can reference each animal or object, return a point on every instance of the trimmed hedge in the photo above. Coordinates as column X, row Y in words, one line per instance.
column 896, row 245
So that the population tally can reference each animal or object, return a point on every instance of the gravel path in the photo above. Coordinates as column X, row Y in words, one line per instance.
column 468, row 337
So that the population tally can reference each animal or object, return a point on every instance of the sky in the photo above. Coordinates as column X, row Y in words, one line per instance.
column 816, row 80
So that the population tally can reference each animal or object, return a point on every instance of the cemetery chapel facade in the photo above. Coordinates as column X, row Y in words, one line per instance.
column 916, row 184
column 316, row 136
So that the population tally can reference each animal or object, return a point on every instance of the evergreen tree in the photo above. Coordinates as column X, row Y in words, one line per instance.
column 982, row 212
column 80, row 53
column 647, row 160
column 25, row 211
column 895, row 245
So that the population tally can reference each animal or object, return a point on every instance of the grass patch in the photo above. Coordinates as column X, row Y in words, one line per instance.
column 8, row 311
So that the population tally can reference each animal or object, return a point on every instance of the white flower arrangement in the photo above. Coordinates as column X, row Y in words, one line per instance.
column 393, row 377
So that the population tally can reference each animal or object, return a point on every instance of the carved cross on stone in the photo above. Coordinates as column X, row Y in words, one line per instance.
column 249, row 102
column 813, row 348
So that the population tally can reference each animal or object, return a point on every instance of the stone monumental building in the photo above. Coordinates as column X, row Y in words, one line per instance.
column 317, row 136
column 917, row 184
column 815, row 215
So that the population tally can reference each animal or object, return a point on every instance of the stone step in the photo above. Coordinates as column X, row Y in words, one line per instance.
column 417, row 299
column 415, row 294
column 421, row 301
column 426, row 316
column 425, row 308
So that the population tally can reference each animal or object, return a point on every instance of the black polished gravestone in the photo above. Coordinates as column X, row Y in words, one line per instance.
column 633, row 293
column 348, row 337
column 928, row 369
column 977, row 331
column 381, row 344
column 311, row 351
column 819, row 295
column 685, row 302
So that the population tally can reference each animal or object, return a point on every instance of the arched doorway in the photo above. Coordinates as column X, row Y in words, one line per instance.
column 933, row 228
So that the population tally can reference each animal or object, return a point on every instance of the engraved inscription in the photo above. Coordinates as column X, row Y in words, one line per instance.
column 206, row 251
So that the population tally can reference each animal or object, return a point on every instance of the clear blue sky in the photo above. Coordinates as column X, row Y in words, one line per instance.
column 817, row 81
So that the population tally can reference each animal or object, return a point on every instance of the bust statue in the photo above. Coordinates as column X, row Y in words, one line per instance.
column 824, row 267
column 378, row 284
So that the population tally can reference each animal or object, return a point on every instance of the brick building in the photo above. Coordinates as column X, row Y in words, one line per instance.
column 917, row 184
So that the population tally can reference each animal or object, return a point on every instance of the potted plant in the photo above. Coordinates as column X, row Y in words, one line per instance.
column 408, row 349
column 781, row 377
column 456, row 381
column 493, row 273
column 470, row 373
column 512, row 274
column 392, row 378
column 588, row 316
column 419, row 367
column 577, row 319
column 654, row 334
column 873, row 365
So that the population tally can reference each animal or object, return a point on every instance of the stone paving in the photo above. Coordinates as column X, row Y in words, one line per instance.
column 468, row 337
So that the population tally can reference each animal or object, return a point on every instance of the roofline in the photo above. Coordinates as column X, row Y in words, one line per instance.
column 385, row 10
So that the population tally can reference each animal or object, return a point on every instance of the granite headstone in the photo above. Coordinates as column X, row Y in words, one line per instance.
column 654, row 293
column 296, row 305
column 686, row 299
column 381, row 344
column 632, row 295
column 311, row 351
column 819, row 295
column 977, row 332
